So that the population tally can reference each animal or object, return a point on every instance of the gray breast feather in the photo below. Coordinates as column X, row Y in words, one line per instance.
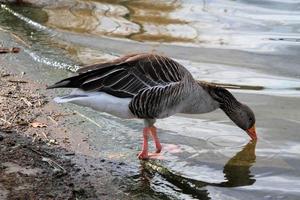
column 199, row 101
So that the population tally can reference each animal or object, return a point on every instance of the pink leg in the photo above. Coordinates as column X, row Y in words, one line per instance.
column 155, row 138
column 144, row 153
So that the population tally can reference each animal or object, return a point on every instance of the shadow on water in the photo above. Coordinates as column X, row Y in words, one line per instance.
column 236, row 171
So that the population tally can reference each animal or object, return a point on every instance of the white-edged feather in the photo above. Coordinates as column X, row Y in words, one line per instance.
column 99, row 101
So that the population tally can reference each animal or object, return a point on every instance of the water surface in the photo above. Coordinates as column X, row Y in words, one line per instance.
column 252, row 47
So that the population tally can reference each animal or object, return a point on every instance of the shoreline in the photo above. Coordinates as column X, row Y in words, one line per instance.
column 39, row 158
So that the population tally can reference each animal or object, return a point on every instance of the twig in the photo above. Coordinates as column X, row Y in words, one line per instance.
column 18, row 38
column 89, row 119
column 70, row 154
column 62, row 115
column 34, row 138
column 54, row 164
column 17, row 81
column 26, row 101
column 5, row 75
column 51, row 162
column 9, row 50
column 5, row 121
column 38, row 152
column 35, row 151
column 44, row 134
column 53, row 120
column 14, row 117
column 4, row 50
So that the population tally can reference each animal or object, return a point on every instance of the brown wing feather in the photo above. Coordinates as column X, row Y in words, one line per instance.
column 117, row 61
column 126, row 76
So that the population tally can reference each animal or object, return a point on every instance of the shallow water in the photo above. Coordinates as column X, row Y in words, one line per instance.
column 250, row 46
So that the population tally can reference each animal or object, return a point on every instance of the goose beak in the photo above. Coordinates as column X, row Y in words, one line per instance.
column 252, row 133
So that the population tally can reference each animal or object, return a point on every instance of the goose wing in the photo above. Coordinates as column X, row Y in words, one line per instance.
column 160, row 101
column 128, row 75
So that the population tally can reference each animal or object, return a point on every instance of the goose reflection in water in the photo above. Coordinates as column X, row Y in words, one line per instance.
column 236, row 171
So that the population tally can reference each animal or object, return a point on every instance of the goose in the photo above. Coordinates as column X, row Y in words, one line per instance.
column 150, row 87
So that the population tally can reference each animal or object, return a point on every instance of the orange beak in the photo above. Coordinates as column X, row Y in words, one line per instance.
column 252, row 133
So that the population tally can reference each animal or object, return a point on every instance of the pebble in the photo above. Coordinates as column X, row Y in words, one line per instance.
column 1, row 138
column 52, row 142
column 85, row 175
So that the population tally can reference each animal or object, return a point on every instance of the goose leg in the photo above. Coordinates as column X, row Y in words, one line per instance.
column 155, row 138
column 144, row 153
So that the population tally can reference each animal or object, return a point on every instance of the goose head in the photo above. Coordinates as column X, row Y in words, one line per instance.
column 243, row 117
column 239, row 113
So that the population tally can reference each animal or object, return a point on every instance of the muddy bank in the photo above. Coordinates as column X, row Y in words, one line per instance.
column 33, row 170
column 39, row 158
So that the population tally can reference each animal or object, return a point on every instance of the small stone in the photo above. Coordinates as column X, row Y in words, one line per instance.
column 71, row 184
column 53, row 141
column 79, row 191
column 77, row 169
column 1, row 138
column 11, row 143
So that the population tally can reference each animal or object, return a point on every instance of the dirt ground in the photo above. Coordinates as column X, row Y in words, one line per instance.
column 31, row 162
column 37, row 160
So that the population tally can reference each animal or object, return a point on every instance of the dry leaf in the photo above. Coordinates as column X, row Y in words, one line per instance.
column 38, row 125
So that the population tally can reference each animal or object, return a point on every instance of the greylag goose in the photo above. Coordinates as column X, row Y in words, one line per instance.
column 150, row 87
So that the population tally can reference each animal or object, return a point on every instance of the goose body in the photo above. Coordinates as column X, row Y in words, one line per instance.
column 149, row 87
